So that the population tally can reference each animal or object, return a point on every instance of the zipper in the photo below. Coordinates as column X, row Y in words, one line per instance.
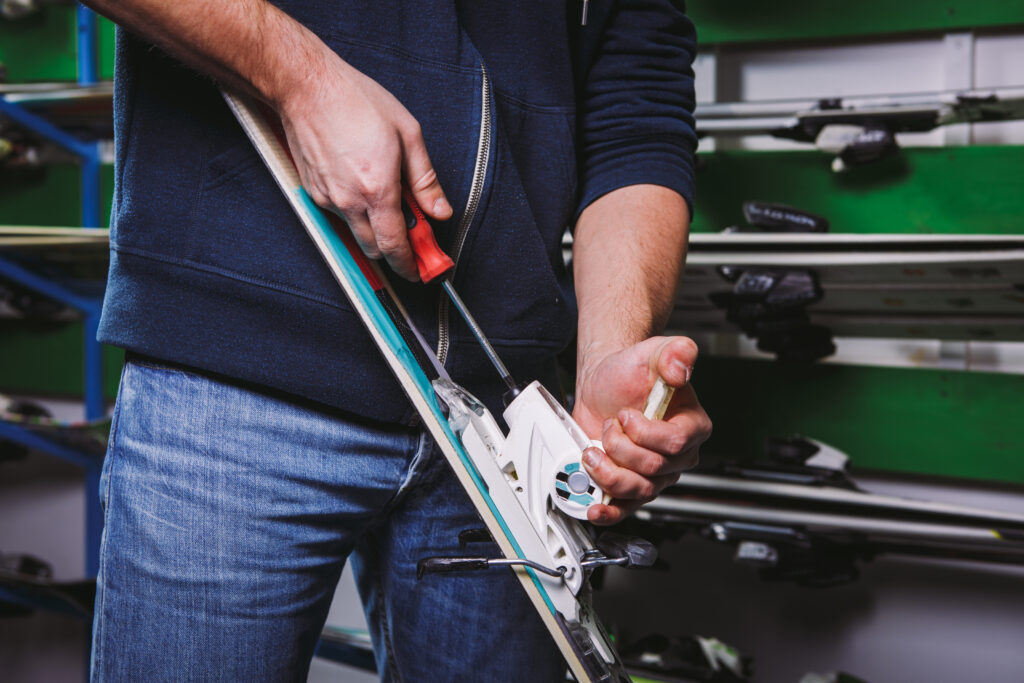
column 476, row 189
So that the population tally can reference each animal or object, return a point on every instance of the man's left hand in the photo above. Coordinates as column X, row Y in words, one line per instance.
column 641, row 457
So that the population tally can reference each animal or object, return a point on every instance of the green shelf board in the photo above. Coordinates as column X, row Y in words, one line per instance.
column 756, row 21
column 48, row 359
column 947, row 190
column 43, row 47
column 923, row 421
column 50, row 195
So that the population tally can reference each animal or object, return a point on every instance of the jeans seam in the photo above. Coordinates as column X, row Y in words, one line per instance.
column 422, row 451
column 394, row 676
column 424, row 448
column 101, row 593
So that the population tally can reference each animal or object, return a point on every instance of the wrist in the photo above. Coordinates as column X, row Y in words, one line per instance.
column 590, row 355
column 293, row 68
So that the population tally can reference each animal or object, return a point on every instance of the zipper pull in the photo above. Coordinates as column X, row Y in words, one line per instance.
column 586, row 6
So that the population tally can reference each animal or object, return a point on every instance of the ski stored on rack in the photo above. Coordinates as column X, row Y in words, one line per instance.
column 861, row 129
column 797, row 515
column 527, row 487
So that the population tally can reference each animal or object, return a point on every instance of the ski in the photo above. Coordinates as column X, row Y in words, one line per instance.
column 798, row 515
column 803, row 119
column 892, row 286
column 858, row 130
column 532, row 523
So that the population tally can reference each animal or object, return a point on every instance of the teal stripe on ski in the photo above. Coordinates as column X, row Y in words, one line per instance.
column 368, row 302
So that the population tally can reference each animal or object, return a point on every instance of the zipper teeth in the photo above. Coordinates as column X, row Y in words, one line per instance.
column 476, row 188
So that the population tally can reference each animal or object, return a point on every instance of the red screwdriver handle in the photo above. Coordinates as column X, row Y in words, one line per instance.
column 430, row 260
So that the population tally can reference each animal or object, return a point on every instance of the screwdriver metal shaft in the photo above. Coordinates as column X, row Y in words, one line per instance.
column 479, row 334
column 432, row 263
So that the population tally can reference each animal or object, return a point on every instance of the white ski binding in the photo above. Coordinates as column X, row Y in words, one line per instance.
column 538, row 464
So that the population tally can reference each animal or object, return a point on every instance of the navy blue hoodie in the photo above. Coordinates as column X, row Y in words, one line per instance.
column 210, row 269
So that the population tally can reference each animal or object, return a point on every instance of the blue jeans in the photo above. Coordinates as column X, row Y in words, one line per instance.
column 229, row 515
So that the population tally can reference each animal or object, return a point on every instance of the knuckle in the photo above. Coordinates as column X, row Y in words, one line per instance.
column 319, row 197
column 373, row 189
column 706, row 427
column 636, row 429
column 344, row 202
column 612, row 441
column 425, row 181
column 650, row 465
column 410, row 128
column 645, row 490
column 676, row 442
column 390, row 243
column 612, row 483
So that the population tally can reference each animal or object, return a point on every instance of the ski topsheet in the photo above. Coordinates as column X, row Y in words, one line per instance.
column 566, row 614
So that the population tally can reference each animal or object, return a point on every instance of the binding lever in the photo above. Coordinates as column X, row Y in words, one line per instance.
column 636, row 552
column 612, row 550
column 441, row 565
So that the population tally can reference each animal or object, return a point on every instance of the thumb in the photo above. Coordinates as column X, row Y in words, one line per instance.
column 422, row 179
column 674, row 361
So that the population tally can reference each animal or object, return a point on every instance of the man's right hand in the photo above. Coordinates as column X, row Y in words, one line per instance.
column 353, row 142
column 354, row 145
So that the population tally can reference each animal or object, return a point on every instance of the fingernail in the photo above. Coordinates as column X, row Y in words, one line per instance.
column 623, row 418
column 441, row 207
column 684, row 370
column 592, row 457
column 607, row 425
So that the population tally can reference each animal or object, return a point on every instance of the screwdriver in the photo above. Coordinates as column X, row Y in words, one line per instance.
column 432, row 263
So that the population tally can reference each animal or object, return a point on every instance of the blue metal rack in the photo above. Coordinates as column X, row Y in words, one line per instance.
column 87, row 152
column 91, row 214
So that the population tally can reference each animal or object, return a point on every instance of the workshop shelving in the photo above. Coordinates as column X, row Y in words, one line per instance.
column 18, row 106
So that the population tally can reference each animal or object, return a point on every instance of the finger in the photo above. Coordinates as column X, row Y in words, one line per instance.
column 613, row 513
column 647, row 461
column 391, row 236
column 675, row 359
column 605, row 515
column 421, row 177
column 359, row 224
column 618, row 509
column 616, row 481
column 689, row 427
column 625, row 452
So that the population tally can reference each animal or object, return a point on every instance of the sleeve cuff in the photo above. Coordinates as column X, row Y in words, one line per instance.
column 646, row 165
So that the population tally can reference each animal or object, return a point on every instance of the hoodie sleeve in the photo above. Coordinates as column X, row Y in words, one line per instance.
column 636, row 100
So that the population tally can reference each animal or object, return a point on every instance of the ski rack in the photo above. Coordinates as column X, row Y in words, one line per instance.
column 13, row 101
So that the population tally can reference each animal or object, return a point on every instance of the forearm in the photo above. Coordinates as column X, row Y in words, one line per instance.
column 353, row 142
column 628, row 254
column 247, row 44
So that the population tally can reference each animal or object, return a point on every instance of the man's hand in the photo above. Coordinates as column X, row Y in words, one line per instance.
column 627, row 256
column 354, row 143
column 641, row 457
